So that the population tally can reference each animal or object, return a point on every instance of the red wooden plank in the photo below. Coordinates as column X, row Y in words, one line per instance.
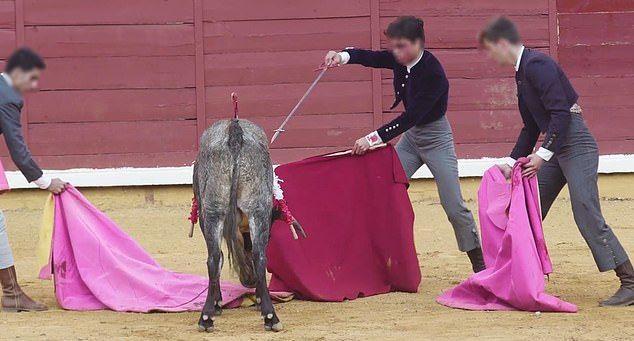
column 605, row 60
column 616, row 147
column 317, row 130
column 596, row 29
column 469, row 94
column 274, row 68
column 618, row 125
column 118, row 72
column 553, row 29
column 604, row 93
column 286, row 155
column 112, row 137
column 117, row 160
column 19, row 39
column 463, row 7
column 286, row 35
column 7, row 42
column 481, row 126
column 377, row 98
column 586, row 6
column 82, row 12
column 485, row 126
column 283, row 9
column 3, row 150
column 279, row 99
column 201, row 112
column 112, row 40
column 7, row 14
column 481, row 150
column 111, row 105
column 461, row 32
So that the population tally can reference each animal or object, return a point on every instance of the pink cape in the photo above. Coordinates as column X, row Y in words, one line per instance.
column 359, row 221
column 514, row 250
column 97, row 266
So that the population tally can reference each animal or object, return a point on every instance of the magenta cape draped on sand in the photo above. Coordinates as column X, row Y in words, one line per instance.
column 97, row 266
column 514, row 250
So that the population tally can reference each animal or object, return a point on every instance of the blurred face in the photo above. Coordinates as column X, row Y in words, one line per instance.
column 501, row 51
column 406, row 51
column 25, row 81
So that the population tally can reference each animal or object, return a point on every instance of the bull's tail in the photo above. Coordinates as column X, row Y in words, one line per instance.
column 235, row 252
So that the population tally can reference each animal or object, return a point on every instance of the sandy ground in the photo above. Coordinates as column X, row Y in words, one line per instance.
column 156, row 218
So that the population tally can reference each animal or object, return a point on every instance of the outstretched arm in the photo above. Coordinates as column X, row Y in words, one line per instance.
column 376, row 59
column 20, row 153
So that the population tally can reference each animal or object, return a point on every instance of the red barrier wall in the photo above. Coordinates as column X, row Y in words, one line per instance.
column 133, row 83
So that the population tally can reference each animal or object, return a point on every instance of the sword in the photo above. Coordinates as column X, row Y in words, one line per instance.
column 312, row 86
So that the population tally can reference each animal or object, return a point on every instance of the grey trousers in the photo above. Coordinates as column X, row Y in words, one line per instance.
column 576, row 164
column 6, row 256
column 432, row 144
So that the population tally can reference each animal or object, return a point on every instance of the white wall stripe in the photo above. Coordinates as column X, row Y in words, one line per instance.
column 109, row 177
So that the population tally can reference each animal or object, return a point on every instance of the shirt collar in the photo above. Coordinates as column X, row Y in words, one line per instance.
column 412, row 64
column 7, row 79
column 519, row 58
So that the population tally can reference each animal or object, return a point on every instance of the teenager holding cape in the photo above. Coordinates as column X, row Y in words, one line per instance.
column 22, row 73
column 569, row 154
column 421, row 84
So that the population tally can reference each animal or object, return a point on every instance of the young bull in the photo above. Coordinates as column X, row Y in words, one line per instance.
column 233, row 185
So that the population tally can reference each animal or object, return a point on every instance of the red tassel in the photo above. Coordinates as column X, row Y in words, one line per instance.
column 193, row 214
column 287, row 217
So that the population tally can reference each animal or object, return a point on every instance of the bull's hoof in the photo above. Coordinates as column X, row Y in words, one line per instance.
column 272, row 323
column 277, row 327
column 206, row 324
column 204, row 329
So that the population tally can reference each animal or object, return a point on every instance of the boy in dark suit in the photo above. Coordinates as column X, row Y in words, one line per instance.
column 22, row 73
column 421, row 84
column 548, row 104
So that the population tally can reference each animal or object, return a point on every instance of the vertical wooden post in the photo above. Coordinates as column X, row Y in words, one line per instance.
column 20, row 41
column 200, row 69
column 553, row 29
column 377, row 94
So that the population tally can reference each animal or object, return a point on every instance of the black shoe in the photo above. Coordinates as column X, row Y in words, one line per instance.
column 477, row 260
column 625, row 295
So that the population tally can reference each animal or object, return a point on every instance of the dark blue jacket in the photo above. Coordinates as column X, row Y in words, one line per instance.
column 424, row 90
column 545, row 97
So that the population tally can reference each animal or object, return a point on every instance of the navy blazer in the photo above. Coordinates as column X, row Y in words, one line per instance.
column 424, row 90
column 544, row 96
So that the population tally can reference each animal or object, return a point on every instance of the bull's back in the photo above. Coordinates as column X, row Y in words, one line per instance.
column 254, row 161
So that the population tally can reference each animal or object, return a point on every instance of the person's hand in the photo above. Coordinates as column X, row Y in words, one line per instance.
column 332, row 59
column 360, row 146
column 57, row 186
column 506, row 170
column 531, row 168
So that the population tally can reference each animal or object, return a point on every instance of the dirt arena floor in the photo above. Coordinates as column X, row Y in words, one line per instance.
column 156, row 218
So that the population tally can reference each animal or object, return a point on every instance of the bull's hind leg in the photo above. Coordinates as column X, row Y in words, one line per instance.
column 259, row 223
column 212, row 231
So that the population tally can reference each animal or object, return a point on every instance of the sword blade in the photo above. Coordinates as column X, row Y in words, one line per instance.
column 288, row 117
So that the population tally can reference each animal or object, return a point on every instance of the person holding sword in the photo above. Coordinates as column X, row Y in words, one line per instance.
column 421, row 85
